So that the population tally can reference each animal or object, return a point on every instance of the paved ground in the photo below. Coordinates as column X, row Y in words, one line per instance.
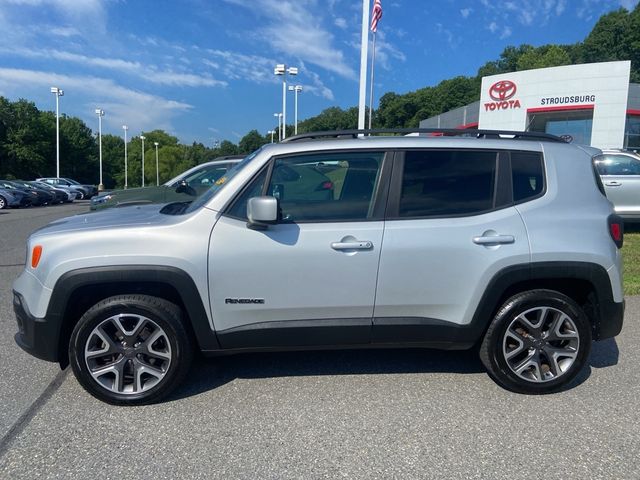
column 381, row 414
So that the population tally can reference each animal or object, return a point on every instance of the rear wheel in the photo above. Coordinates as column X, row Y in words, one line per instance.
column 130, row 349
column 537, row 343
column 3, row 202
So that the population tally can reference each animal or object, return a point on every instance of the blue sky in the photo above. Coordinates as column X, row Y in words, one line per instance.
column 203, row 69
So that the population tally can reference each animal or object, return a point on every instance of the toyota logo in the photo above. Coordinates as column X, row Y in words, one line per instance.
column 502, row 90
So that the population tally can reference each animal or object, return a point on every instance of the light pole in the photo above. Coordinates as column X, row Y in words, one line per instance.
column 157, row 171
column 296, row 89
column 142, row 137
column 279, row 117
column 125, row 128
column 100, row 114
column 271, row 132
column 282, row 70
column 58, row 93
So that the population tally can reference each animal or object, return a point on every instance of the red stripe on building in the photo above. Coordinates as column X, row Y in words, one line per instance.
column 562, row 108
column 633, row 112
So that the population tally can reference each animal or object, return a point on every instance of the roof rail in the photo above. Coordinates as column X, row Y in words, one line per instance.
column 435, row 132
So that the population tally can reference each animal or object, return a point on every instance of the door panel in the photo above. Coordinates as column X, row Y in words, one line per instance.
column 310, row 279
column 433, row 268
column 295, row 275
column 624, row 192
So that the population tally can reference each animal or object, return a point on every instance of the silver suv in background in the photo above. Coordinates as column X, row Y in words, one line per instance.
column 501, row 240
column 620, row 173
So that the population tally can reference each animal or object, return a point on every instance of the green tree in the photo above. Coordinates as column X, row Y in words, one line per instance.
column 251, row 142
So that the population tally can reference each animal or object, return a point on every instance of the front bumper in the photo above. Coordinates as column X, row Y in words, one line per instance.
column 35, row 335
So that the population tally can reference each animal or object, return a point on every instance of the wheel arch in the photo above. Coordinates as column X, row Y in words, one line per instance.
column 76, row 291
column 586, row 283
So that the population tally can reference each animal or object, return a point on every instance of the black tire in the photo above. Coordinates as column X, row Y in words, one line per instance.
column 498, row 344
column 160, row 312
column 3, row 203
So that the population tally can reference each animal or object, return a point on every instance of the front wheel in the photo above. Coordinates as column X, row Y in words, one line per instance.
column 130, row 349
column 3, row 202
column 537, row 343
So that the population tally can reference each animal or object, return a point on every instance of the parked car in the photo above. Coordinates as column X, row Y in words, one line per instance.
column 13, row 198
column 63, row 193
column 60, row 196
column 85, row 191
column 47, row 197
column 500, row 240
column 37, row 198
column 620, row 173
column 184, row 187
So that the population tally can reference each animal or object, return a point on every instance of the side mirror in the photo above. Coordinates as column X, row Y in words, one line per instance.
column 262, row 212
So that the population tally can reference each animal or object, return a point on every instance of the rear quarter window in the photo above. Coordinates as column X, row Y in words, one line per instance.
column 527, row 175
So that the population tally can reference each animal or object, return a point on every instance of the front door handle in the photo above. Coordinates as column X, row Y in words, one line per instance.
column 353, row 245
column 613, row 183
column 494, row 239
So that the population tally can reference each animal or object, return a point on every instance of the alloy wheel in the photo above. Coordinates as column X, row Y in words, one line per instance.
column 128, row 354
column 541, row 344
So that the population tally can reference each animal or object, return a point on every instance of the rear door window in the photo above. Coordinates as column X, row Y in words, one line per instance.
column 447, row 183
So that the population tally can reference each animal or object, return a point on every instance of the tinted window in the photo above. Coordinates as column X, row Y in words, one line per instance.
column 317, row 188
column 527, row 175
column 438, row 183
column 610, row 164
column 330, row 187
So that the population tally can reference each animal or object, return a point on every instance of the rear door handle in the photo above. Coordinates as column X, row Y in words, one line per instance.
column 357, row 245
column 613, row 183
column 494, row 239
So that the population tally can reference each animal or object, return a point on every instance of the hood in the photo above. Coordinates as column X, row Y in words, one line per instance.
column 134, row 216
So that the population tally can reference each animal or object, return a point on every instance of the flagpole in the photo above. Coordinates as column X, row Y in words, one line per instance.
column 373, row 67
column 364, row 57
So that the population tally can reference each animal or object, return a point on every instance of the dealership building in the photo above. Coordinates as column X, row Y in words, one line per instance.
column 590, row 104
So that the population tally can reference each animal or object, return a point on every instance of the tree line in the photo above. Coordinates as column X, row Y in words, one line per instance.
column 27, row 135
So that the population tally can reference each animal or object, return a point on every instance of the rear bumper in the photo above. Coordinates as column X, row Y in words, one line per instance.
column 35, row 335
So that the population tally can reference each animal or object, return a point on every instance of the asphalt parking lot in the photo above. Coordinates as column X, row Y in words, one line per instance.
column 349, row 414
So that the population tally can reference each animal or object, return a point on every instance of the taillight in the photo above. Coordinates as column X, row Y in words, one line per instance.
column 616, row 230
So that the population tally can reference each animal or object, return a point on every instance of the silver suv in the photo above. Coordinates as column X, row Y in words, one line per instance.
column 504, row 242
column 620, row 172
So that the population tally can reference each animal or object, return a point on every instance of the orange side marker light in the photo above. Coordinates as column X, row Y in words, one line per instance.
column 35, row 256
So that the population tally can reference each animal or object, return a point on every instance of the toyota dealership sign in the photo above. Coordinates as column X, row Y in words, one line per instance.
column 511, row 101
column 502, row 93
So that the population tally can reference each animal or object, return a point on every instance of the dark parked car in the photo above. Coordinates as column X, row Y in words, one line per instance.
column 34, row 197
column 67, row 194
column 13, row 198
column 184, row 187
column 60, row 196
column 46, row 197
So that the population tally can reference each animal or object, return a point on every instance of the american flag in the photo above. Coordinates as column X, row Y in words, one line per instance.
column 376, row 15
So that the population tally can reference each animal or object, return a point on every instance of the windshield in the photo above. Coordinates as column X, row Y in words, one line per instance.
column 72, row 182
column 220, row 183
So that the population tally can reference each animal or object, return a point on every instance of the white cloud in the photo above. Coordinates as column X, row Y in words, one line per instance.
column 84, row 14
column 526, row 12
column 340, row 23
column 64, row 31
column 122, row 105
column 149, row 73
column 465, row 12
column 293, row 28
column 493, row 27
